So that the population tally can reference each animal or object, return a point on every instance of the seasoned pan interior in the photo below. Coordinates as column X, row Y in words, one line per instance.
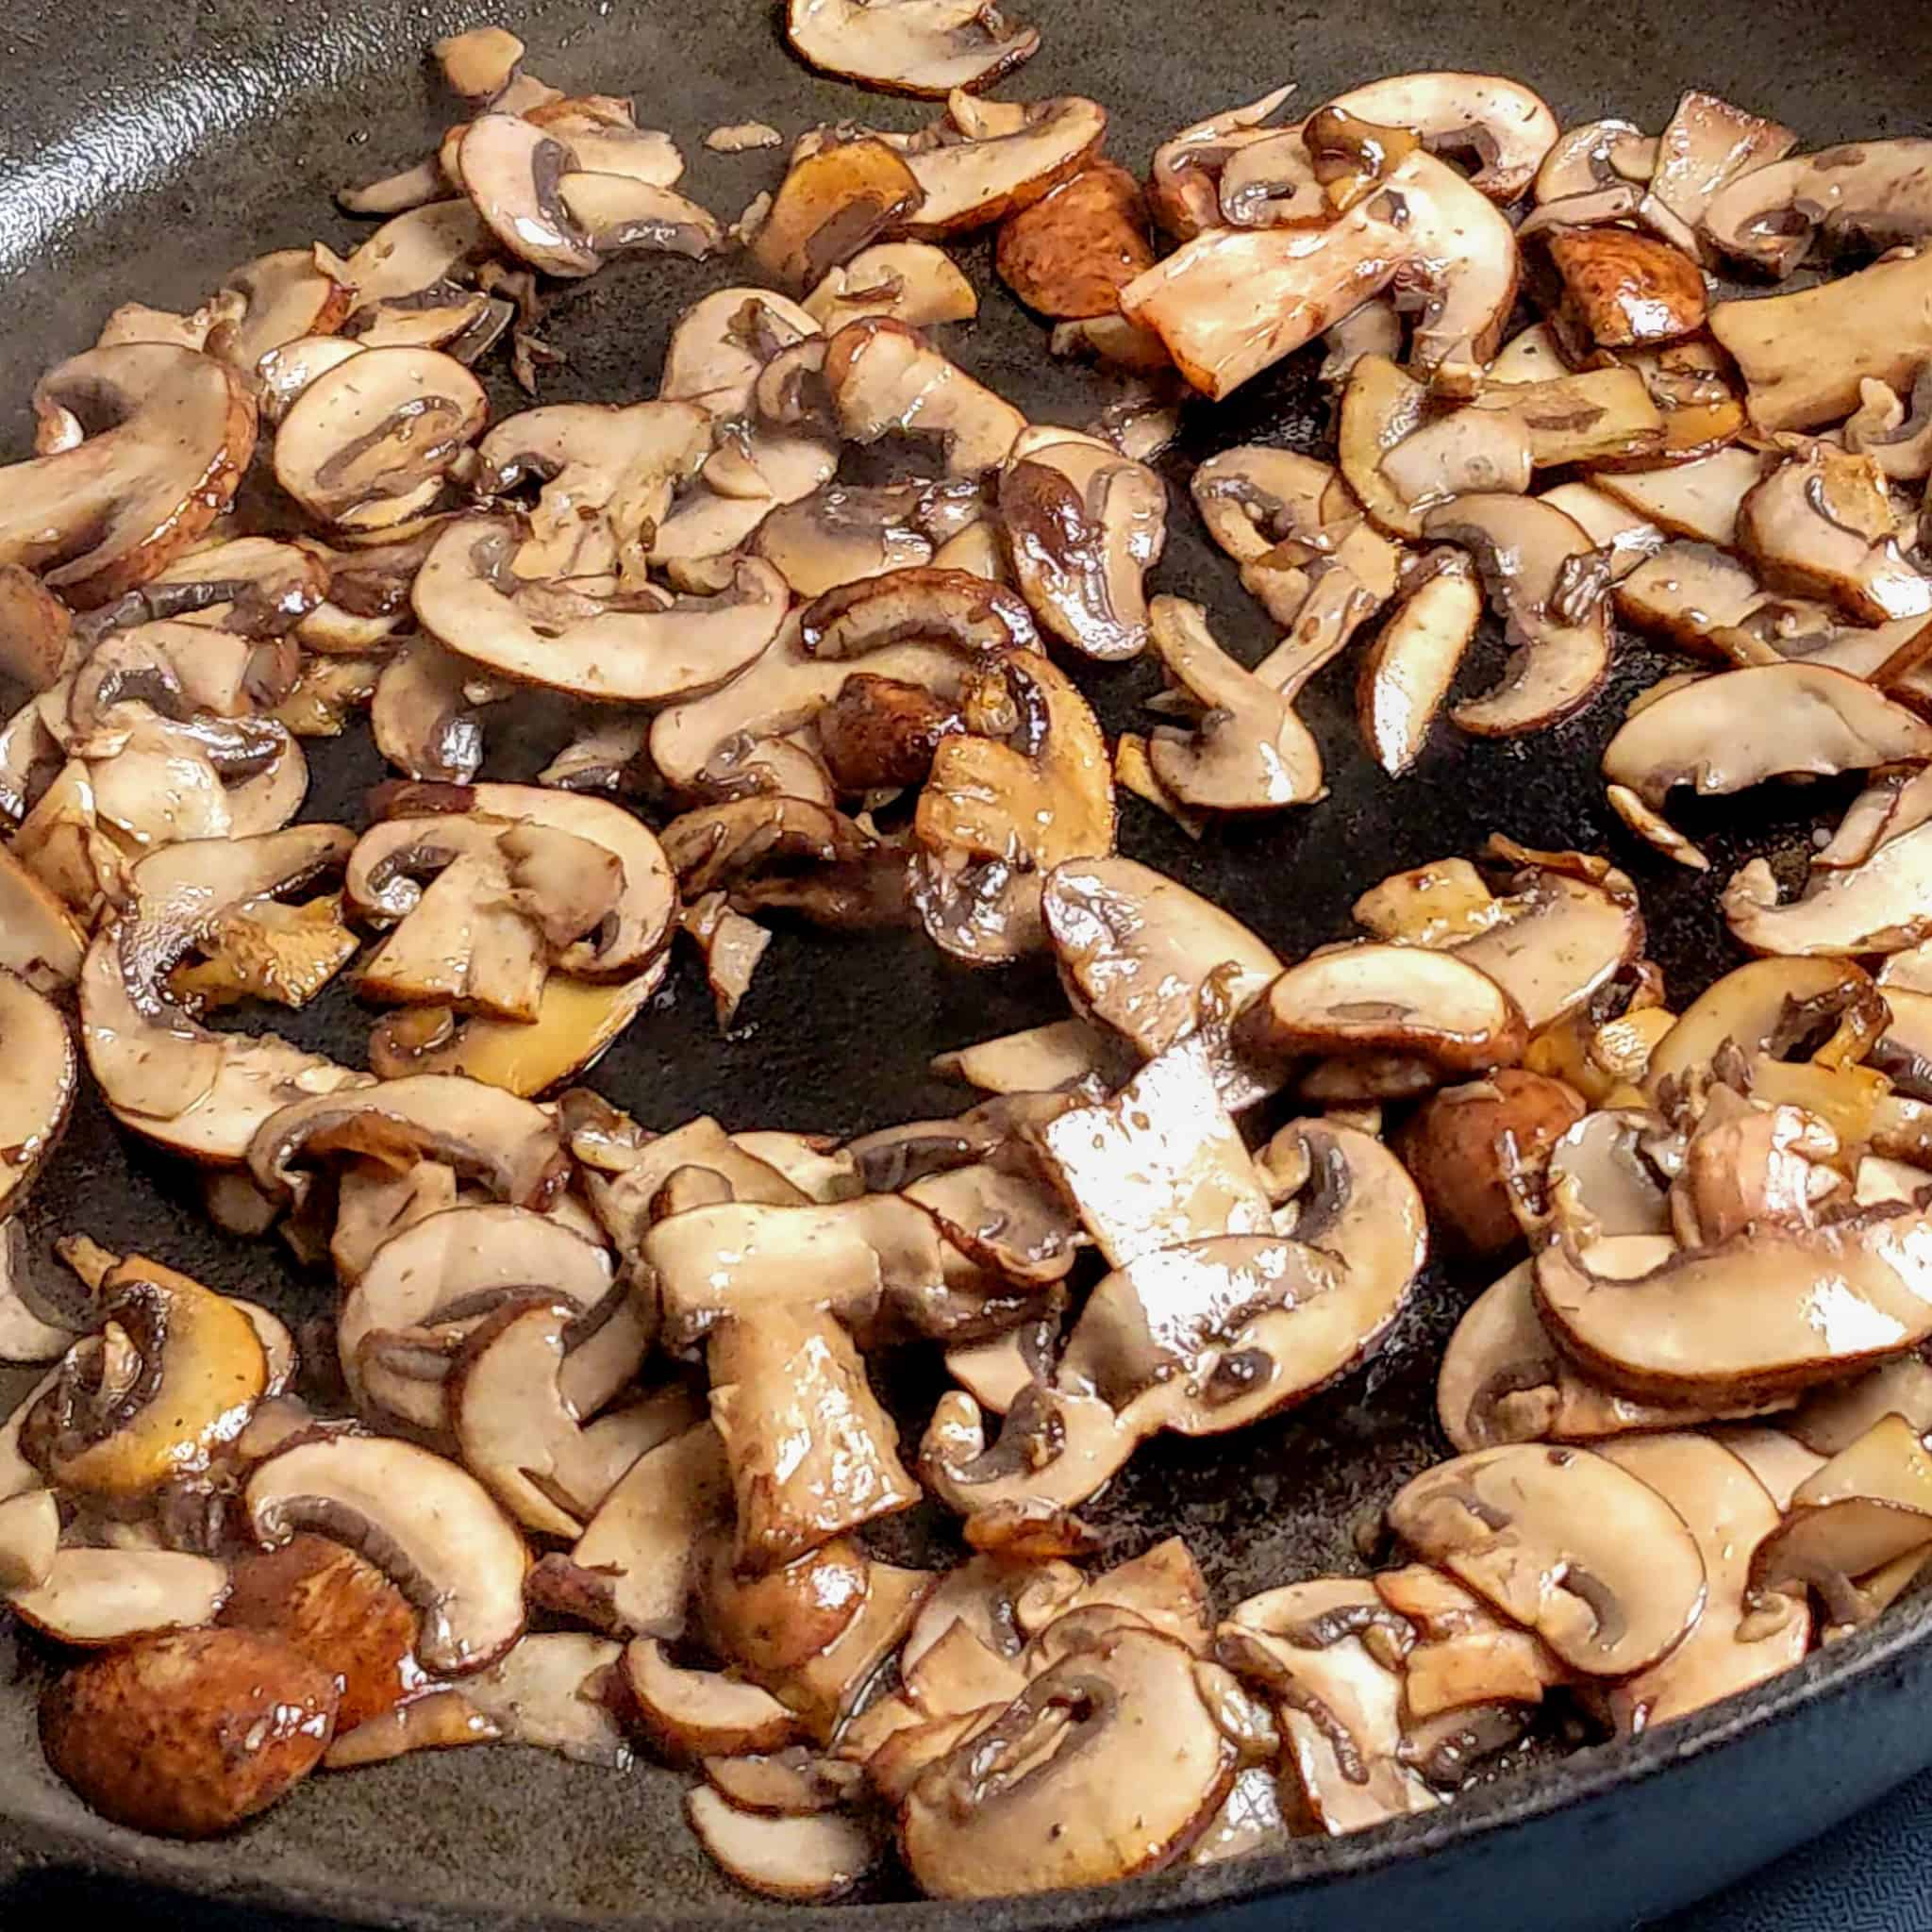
column 146, row 149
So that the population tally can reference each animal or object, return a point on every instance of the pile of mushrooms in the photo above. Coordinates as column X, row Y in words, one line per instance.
column 591, row 1457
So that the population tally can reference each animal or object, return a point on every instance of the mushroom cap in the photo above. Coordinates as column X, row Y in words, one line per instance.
column 1593, row 1559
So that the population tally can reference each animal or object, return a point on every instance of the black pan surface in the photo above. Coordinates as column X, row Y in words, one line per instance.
column 145, row 149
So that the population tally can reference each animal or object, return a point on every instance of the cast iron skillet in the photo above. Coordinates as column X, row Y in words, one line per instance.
column 147, row 148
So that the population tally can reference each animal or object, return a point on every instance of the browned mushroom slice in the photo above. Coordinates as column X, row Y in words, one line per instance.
column 1875, row 905
column 1699, row 500
column 36, row 629
column 1805, row 356
column 833, row 202
column 167, row 434
column 1536, row 565
column 429, row 1527
column 781, row 1379
column 1374, row 998
column 1706, row 144
column 1766, row 1008
column 1559, row 1540
column 1726, row 733
column 792, row 1783
column 367, row 443
column 1136, row 952
column 1160, row 1163
column 1730, row 1513
column 1072, row 253
column 554, row 1692
column 1407, row 671
column 1080, row 1814
column 1621, row 290
column 281, row 297
column 1084, row 526
column 808, row 1859
column 885, row 380
column 1424, row 221
column 1823, row 522
column 633, row 1569
column 29, row 1540
column 1894, row 426
column 492, row 1137
column 844, row 1257
column 629, row 650
column 618, row 214
column 908, row 46
column 200, row 1092
column 188, row 1367
column 692, row 1714
column 1026, row 786
column 1826, row 1301
column 912, row 282
column 1594, row 156
column 425, row 713
column 991, row 159
column 94, row 1598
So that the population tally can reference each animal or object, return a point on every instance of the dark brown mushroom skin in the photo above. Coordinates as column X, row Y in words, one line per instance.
column 880, row 732
column 1473, row 1149
column 338, row 1610
column 1072, row 253
column 1620, row 289
column 190, row 1733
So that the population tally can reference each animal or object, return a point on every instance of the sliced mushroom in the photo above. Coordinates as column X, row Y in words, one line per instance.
column 196, row 1368
column 32, row 1327
column 1869, row 193
column 553, row 1692
column 1038, row 1060
column 520, row 1433
column 167, row 434
column 1025, row 787
column 1726, row 733
column 693, row 1714
column 1823, row 523
column 1805, row 356
column 1145, row 958
column 1183, row 180
column 1535, row 564
column 627, row 650
column 1231, row 302
column 1894, row 427
column 367, row 443
column 994, row 160
column 37, row 1074
column 618, row 213
column 1160, row 1163
column 811, row 1859
column 912, row 282
column 429, row 1527
column 885, row 380
column 1868, row 1509
column 1409, row 668
column 1075, row 1730
column 832, row 203
column 492, row 1137
column 1699, row 500
column 845, row 1257
column 633, row 1569
column 782, row 1379
column 1563, row 1542
column 95, row 1598
column 1825, row 1302
column 908, row 46
column 1084, row 526
column 29, row 1540
column 1621, row 290
column 1072, row 253
column 1505, row 126
column 512, row 171
column 1706, row 144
